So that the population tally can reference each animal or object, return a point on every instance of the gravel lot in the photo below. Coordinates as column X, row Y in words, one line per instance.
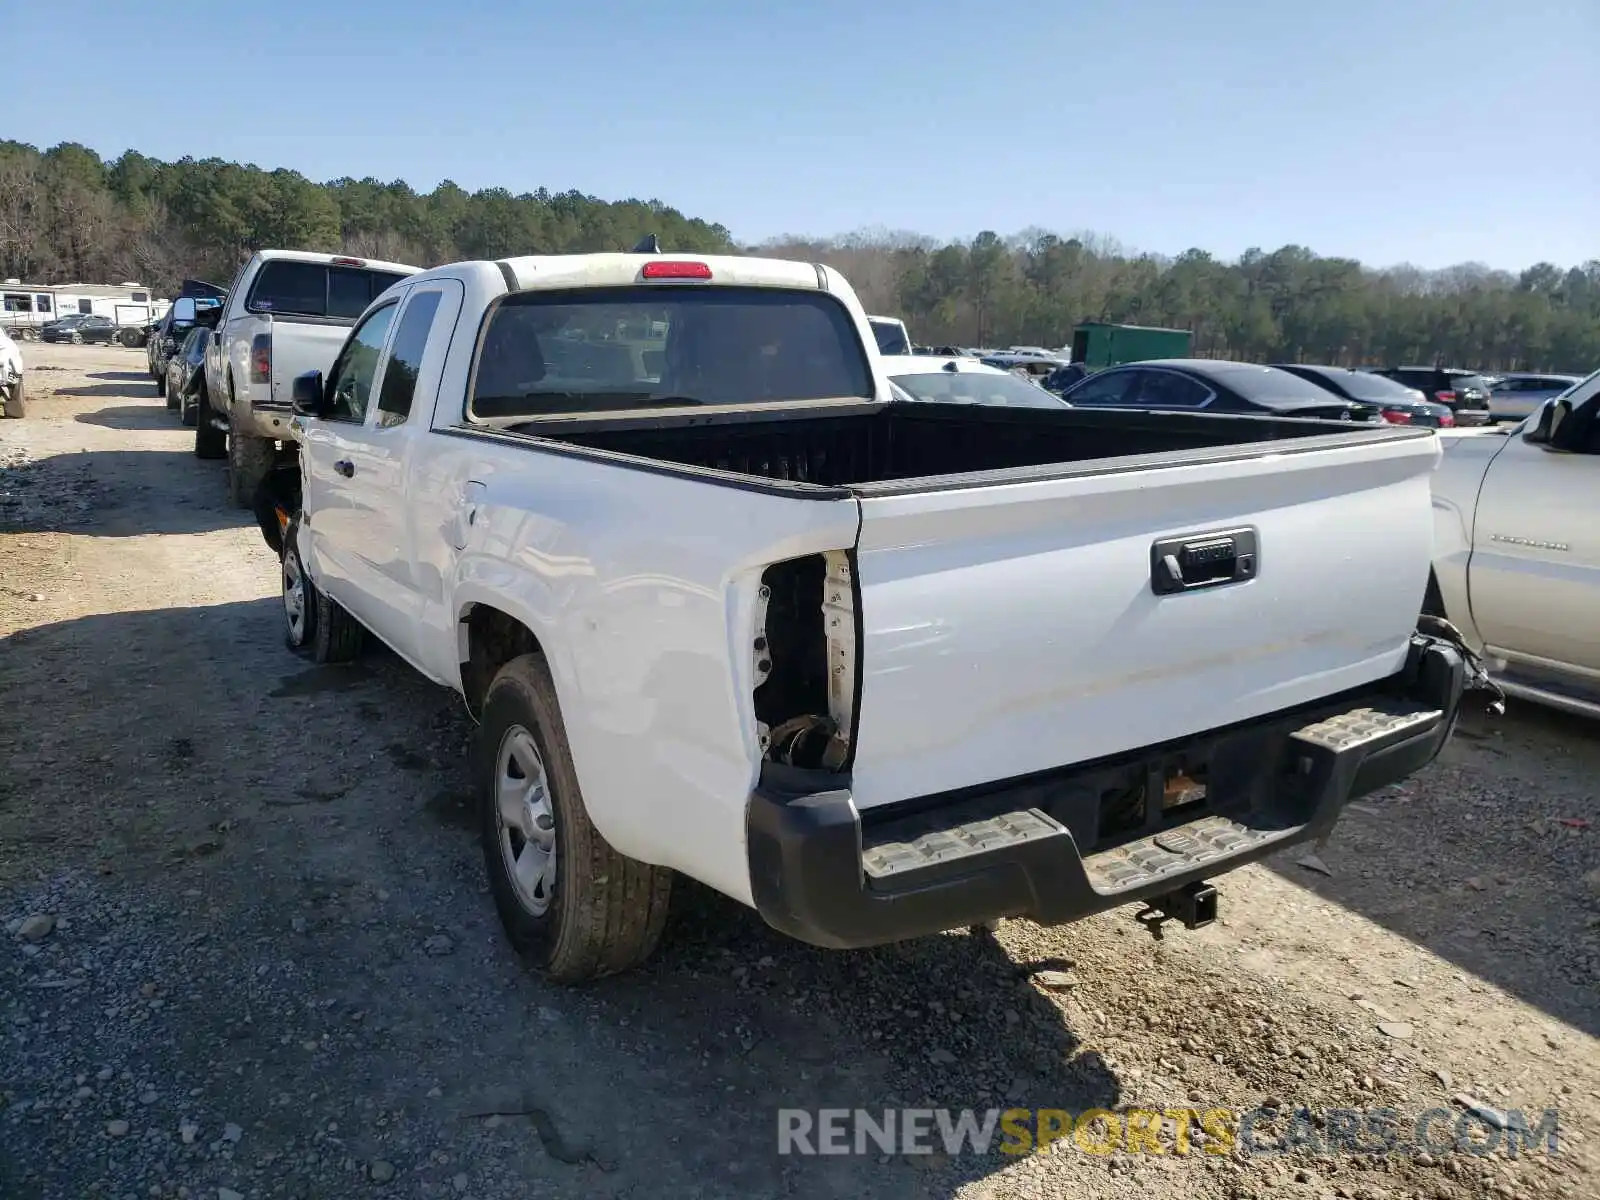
column 248, row 949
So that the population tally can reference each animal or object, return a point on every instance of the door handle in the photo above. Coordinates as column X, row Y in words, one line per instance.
column 345, row 467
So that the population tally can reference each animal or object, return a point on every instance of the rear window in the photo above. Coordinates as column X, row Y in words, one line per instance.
column 1268, row 385
column 891, row 337
column 1364, row 385
column 976, row 387
column 607, row 349
column 307, row 289
column 1475, row 382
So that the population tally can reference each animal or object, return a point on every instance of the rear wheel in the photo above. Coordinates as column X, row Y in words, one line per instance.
column 249, row 458
column 569, row 902
column 209, row 441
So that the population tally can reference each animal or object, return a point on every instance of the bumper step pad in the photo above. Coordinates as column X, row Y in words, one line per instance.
column 910, row 844
column 1368, row 728
column 1172, row 852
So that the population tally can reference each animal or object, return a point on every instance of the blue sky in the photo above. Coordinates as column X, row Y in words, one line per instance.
column 1428, row 131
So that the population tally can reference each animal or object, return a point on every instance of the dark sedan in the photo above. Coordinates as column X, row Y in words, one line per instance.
column 186, row 374
column 1398, row 404
column 1213, row 386
column 78, row 328
column 1466, row 393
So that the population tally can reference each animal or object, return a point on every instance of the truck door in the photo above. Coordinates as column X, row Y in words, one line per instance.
column 330, row 444
column 380, row 553
column 1534, row 576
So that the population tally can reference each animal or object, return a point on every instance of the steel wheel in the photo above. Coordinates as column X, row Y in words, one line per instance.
column 294, row 597
column 527, row 824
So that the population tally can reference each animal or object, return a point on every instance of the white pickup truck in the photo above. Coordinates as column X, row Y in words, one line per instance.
column 722, row 606
column 286, row 312
column 1517, row 548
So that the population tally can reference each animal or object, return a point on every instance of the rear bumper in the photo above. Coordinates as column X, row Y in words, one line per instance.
column 1041, row 847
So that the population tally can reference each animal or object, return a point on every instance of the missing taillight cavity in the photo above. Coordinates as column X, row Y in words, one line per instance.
column 803, row 661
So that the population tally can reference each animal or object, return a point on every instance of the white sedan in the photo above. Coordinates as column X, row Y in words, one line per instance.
column 937, row 380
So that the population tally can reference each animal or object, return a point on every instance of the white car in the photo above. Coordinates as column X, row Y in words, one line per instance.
column 935, row 380
column 13, row 400
column 724, row 606
column 1517, row 548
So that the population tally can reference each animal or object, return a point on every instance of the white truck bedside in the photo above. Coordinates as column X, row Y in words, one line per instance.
column 723, row 606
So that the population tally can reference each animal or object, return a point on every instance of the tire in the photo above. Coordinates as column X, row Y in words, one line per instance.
column 161, row 390
column 208, row 442
column 16, row 400
column 249, row 460
column 328, row 634
column 188, row 408
column 602, row 912
column 299, row 596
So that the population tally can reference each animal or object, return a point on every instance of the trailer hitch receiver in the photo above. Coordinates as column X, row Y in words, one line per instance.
column 1194, row 906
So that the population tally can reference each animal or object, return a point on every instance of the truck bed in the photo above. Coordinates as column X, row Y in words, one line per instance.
column 874, row 447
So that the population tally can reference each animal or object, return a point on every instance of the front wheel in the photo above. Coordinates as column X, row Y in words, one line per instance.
column 16, row 400
column 163, row 390
column 76, row 339
column 568, row 901
column 188, row 408
column 314, row 624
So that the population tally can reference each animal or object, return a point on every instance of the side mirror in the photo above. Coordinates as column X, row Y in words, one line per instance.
column 306, row 398
column 1545, row 428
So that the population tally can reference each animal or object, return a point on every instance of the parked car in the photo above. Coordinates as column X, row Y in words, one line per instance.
column 286, row 312
column 13, row 389
column 186, row 374
column 1396, row 403
column 79, row 328
column 1514, row 396
column 1214, row 386
column 724, row 607
column 963, row 381
column 1465, row 393
column 1034, row 366
column 1064, row 376
column 1517, row 549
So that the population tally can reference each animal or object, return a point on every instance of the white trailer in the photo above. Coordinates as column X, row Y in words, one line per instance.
column 27, row 306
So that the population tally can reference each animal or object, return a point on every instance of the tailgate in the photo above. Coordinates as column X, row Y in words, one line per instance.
column 301, row 346
column 1013, row 628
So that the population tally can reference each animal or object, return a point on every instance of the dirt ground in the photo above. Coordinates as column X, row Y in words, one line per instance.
column 274, row 969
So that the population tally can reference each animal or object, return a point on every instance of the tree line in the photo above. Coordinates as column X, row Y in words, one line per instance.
column 1281, row 305
column 67, row 215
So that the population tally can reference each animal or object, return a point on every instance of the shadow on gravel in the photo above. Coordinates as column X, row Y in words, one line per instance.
column 293, row 854
column 154, row 415
column 109, row 390
column 118, row 493
column 126, row 376
column 1487, row 868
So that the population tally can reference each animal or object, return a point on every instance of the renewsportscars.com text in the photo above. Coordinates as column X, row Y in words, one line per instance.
column 1214, row 1131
